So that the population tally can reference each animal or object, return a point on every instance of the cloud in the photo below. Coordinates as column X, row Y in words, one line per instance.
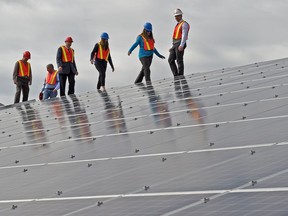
column 223, row 33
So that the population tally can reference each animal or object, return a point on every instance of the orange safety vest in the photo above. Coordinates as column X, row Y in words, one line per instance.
column 24, row 69
column 177, row 35
column 67, row 56
column 102, row 54
column 51, row 78
column 148, row 44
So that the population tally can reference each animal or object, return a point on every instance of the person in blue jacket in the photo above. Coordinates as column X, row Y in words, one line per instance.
column 146, row 43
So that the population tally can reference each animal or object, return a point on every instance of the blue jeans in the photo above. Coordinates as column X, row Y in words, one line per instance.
column 48, row 93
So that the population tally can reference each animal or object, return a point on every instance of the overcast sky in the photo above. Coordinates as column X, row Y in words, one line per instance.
column 223, row 33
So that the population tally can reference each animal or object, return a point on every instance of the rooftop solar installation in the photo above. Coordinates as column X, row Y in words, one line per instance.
column 213, row 143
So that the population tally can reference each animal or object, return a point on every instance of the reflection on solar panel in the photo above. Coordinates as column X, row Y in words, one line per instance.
column 210, row 143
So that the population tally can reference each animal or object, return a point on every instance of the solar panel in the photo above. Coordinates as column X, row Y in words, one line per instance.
column 211, row 143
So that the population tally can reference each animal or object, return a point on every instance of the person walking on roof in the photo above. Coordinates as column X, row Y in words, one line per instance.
column 180, row 36
column 51, row 83
column 66, row 66
column 146, row 43
column 100, row 55
column 22, row 77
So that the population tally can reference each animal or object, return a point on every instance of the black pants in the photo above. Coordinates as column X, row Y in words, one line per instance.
column 175, row 54
column 24, row 87
column 71, row 80
column 145, row 71
column 101, row 66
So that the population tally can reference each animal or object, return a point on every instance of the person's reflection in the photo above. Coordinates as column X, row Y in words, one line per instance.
column 32, row 123
column 114, row 115
column 182, row 91
column 58, row 110
column 77, row 116
column 158, row 108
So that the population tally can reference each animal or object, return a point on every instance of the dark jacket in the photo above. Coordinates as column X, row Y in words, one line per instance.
column 67, row 67
column 95, row 51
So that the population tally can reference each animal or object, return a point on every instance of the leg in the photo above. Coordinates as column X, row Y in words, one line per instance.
column 18, row 92
column 103, row 74
column 140, row 75
column 171, row 60
column 71, row 80
column 25, row 91
column 101, row 67
column 62, row 80
column 146, row 63
column 180, row 61
column 147, row 71
column 98, row 83
column 53, row 94
column 45, row 94
column 103, row 78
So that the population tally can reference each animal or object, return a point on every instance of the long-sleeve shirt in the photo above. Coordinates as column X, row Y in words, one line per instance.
column 67, row 67
column 95, row 51
column 16, row 71
column 49, row 86
column 142, row 51
column 185, row 29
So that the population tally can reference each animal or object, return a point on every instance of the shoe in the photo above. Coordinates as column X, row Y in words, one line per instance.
column 139, row 84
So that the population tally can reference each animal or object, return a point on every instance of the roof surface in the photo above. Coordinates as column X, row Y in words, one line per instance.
column 211, row 143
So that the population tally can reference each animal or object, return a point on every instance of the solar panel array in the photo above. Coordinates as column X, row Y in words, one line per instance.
column 210, row 143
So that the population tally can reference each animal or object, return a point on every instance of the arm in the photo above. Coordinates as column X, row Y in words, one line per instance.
column 138, row 41
column 158, row 54
column 44, row 84
column 15, row 72
column 110, row 62
column 94, row 51
column 30, row 78
column 74, row 63
column 185, row 29
column 57, row 83
column 59, row 57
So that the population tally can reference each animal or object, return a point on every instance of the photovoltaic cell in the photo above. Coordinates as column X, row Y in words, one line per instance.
column 211, row 143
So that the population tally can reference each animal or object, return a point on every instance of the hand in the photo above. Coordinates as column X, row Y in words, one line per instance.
column 113, row 69
column 54, row 90
column 76, row 73
column 15, row 82
column 180, row 48
column 171, row 49
column 129, row 53
column 60, row 69
column 162, row 57
column 92, row 62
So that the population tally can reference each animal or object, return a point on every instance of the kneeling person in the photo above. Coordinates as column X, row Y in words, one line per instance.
column 51, row 83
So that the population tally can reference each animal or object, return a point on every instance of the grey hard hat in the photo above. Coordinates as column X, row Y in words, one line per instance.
column 178, row 12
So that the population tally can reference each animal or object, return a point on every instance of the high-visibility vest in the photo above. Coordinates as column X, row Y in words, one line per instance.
column 67, row 55
column 24, row 69
column 148, row 44
column 177, row 35
column 51, row 78
column 102, row 54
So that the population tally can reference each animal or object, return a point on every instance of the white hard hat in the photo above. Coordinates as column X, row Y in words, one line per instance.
column 178, row 12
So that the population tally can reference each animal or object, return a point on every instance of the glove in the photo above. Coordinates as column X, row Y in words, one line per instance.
column 41, row 96
column 162, row 57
